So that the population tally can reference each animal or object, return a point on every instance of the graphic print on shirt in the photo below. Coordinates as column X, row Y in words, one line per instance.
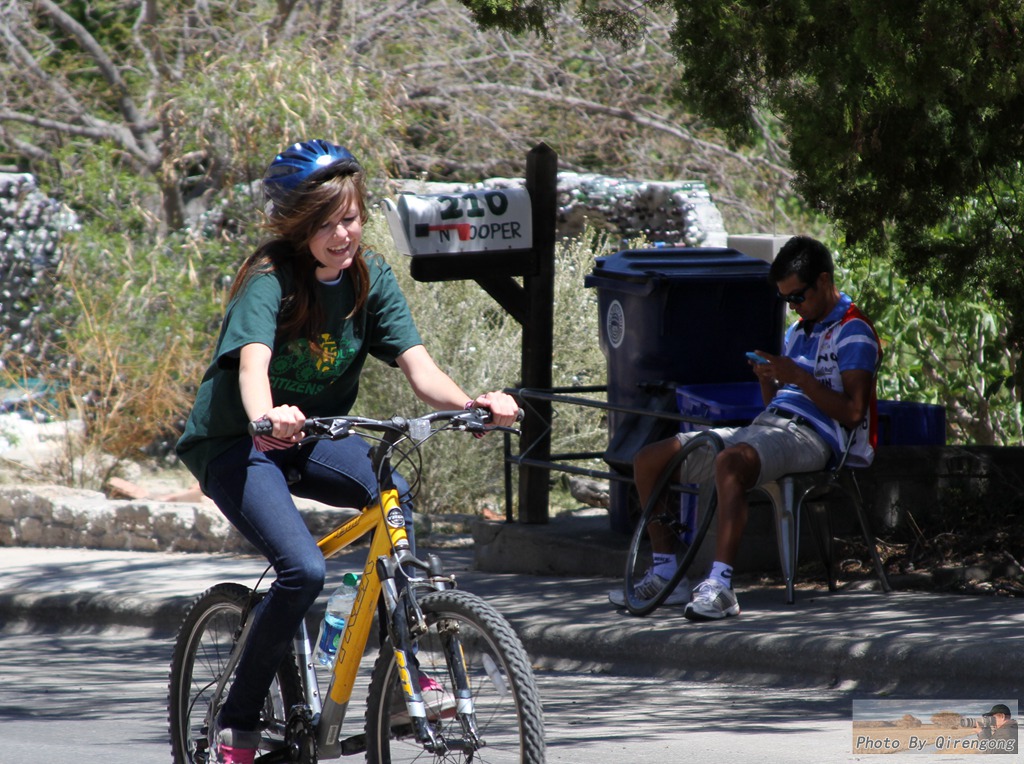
column 865, row 435
column 826, row 368
column 844, row 339
column 298, row 369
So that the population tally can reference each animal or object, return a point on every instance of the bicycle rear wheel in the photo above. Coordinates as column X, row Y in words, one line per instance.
column 664, row 515
column 202, row 648
column 506, row 704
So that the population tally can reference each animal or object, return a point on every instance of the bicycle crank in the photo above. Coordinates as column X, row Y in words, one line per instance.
column 299, row 740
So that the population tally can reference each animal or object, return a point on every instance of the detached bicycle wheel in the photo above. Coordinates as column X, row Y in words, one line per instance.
column 671, row 514
column 507, row 721
column 201, row 650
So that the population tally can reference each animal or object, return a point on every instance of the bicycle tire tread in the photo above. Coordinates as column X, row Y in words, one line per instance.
column 231, row 595
column 473, row 608
column 664, row 480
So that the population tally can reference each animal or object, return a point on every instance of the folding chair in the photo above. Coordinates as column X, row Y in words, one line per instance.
column 788, row 496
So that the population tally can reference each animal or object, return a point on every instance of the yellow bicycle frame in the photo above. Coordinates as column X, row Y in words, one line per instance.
column 380, row 516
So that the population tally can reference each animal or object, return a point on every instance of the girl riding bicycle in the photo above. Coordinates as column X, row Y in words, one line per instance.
column 305, row 311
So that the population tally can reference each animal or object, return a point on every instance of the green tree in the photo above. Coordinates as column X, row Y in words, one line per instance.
column 902, row 121
column 950, row 352
column 194, row 95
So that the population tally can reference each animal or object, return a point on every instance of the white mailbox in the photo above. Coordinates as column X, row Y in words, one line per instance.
column 469, row 221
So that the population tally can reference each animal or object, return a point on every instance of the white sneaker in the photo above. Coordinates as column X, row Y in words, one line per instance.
column 712, row 600
column 649, row 586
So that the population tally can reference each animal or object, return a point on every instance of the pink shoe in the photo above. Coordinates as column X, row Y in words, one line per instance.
column 227, row 754
column 439, row 702
column 233, row 747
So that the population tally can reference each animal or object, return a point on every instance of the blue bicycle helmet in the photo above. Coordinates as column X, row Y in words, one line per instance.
column 300, row 162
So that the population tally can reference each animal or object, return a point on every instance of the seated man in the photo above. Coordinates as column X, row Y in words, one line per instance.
column 820, row 387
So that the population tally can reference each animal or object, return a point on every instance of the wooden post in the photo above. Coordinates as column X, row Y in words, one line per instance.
column 538, row 332
column 530, row 304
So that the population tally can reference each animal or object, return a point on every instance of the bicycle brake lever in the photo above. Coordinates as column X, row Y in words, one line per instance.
column 338, row 429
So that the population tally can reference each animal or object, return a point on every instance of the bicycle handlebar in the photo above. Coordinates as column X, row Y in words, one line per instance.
column 474, row 419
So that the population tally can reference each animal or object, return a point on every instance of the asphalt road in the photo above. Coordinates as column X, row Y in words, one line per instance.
column 97, row 695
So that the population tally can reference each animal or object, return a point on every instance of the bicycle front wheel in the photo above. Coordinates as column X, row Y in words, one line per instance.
column 666, row 517
column 202, row 648
column 506, row 705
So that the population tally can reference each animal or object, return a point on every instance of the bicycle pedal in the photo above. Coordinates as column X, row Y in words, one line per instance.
column 353, row 745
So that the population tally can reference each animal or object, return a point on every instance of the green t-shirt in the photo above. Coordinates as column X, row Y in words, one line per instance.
column 323, row 384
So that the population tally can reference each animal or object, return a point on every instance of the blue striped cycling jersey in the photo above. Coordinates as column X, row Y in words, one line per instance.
column 843, row 341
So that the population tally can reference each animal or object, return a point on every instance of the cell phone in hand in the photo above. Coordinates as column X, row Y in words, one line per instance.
column 756, row 358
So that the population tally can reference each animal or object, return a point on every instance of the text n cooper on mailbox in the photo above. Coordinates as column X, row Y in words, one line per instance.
column 468, row 221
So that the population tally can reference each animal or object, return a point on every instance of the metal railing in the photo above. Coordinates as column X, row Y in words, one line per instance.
column 563, row 462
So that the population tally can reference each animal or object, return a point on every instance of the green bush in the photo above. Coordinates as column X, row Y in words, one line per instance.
column 952, row 352
column 234, row 112
column 131, row 318
column 138, row 324
column 132, row 328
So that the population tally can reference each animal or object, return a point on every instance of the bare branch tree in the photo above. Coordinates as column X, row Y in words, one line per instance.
column 456, row 102
column 142, row 144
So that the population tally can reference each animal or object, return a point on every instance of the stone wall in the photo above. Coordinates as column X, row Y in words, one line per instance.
column 925, row 480
column 904, row 481
column 675, row 213
column 31, row 226
column 926, row 486
column 53, row 516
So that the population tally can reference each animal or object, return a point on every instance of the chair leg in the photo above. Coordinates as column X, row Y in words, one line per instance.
column 821, row 528
column 855, row 496
column 787, row 530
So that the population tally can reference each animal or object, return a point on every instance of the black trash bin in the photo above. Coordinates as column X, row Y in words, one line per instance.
column 674, row 316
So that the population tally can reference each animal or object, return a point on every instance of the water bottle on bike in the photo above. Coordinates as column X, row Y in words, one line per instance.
column 339, row 606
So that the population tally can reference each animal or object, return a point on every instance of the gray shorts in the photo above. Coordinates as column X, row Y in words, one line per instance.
column 782, row 445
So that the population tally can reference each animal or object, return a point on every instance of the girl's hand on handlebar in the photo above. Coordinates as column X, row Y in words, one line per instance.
column 503, row 407
column 286, row 428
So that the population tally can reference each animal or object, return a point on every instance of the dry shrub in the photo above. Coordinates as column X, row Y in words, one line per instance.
column 124, row 363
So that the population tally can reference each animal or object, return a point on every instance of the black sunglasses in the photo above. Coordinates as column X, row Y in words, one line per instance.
column 797, row 297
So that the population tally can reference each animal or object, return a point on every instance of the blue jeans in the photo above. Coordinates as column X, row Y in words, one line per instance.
column 250, row 488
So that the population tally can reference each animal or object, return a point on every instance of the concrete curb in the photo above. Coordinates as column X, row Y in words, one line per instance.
column 911, row 643
column 560, row 548
column 86, row 609
column 664, row 646
column 834, row 661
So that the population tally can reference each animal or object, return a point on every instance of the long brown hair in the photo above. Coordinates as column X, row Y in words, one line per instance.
column 292, row 224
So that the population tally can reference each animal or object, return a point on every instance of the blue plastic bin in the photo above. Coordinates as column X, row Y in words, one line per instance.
column 668, row 317
column 901, row 423
column 725, row 404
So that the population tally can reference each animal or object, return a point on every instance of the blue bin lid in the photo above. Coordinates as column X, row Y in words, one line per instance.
column 721, row 402
column 677, row 264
